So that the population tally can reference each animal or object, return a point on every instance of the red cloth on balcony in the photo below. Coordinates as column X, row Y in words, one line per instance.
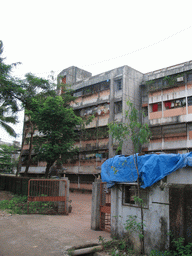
column 155, row 107
column 168, row 104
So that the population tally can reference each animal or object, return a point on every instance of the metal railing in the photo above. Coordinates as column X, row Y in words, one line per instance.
column 44, row 190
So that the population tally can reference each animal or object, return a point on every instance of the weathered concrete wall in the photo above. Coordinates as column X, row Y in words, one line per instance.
column 183, row 67
column 156, row 215
column 95, row 208
column 74, row 74
column 131, row 91
column 156, row 218
column 64, row 191
column 35, row 170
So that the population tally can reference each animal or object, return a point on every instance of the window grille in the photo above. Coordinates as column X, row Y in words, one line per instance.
column 131, row 191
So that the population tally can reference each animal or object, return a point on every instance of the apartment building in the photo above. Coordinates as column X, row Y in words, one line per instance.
column 167, row 103
column 103, row 96
column 164, row 95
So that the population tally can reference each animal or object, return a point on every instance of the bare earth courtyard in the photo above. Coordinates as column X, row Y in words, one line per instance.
column 46, row 235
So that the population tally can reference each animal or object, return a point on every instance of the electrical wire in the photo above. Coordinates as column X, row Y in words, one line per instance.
column 126, row 54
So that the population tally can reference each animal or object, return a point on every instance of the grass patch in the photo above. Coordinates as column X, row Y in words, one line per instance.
column 18, row 205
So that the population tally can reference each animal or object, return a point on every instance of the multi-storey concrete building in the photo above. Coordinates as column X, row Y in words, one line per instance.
column 167, row 102
column 104, row 96
column 165, row 96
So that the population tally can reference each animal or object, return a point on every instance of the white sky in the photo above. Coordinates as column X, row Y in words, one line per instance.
column 51, row 35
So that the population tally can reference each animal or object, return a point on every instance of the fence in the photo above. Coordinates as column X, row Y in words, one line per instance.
column 51, row 190
column 16, row 185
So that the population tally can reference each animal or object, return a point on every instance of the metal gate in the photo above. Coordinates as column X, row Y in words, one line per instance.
column 48, row 190
column 105, row 208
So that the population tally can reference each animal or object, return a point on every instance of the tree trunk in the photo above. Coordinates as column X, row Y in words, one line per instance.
column 23, row 142
column 141, row 206
column 47, row 169
column 30, row 150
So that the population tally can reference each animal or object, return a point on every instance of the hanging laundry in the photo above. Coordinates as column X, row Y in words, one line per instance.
column 168, row 104
column 183, row 102
column 155, row 107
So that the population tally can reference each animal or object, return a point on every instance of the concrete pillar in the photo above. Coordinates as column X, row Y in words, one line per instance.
column 95, row 208
column 111, row 115
column 62, row 190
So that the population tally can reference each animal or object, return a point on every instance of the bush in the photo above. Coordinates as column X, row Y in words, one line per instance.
column 18, row 205
column 179, row 249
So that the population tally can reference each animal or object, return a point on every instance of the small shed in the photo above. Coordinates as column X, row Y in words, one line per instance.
column 166, row 190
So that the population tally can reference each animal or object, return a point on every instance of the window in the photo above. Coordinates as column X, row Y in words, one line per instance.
column 105, row 85
column 175, row 103
column 118, row 84
column 145, row 111
column 130, row 191
column 189, row 77
column 118, row 107
column 78, row 93
column 189, row 101
column 87, row 90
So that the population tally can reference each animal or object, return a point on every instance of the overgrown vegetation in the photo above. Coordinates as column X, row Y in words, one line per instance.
column 7, row 161
column 117, row 247
column 123, row 246
column 18, row 205
column 179, row 248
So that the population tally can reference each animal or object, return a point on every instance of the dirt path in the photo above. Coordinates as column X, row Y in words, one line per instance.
column 46, row 235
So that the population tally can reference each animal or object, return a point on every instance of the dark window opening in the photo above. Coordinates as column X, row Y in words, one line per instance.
column 189, row 101
column 145, row 111
column 129, row 194
column 78, row 93
column 118, row 107
column 118, row 84
column 189, row 77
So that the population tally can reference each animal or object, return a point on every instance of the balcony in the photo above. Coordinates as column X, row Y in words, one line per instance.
column 94, row 146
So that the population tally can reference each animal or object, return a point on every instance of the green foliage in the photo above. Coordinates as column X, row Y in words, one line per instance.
column 16, row 93
column 119, row 132
column 18, row 205
column 34, row 87
column 117, row 247
column 132, row 225
column 8, row 87
column 56, row 124
column 131, row 128
column 7, row 162
column 139, row 201
column 179, row 249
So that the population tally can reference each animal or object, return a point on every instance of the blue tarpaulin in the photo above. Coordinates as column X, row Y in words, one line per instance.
column 152, row 168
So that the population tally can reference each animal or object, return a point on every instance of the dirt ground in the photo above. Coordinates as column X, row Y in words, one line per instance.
column 46, row 235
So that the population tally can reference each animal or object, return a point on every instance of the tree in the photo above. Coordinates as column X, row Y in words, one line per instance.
column 9, row 86
column 7, row 161
column 139, row 134
column 32, row 87
column 56, row 125
column 17, row 94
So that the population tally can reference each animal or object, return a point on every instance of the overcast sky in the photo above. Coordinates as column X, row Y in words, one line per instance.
column 97, row 36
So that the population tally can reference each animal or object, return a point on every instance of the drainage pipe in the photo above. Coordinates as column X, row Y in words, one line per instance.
column 87, row 250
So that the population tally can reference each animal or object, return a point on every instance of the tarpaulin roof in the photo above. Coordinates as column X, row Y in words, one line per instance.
column 152, row 168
